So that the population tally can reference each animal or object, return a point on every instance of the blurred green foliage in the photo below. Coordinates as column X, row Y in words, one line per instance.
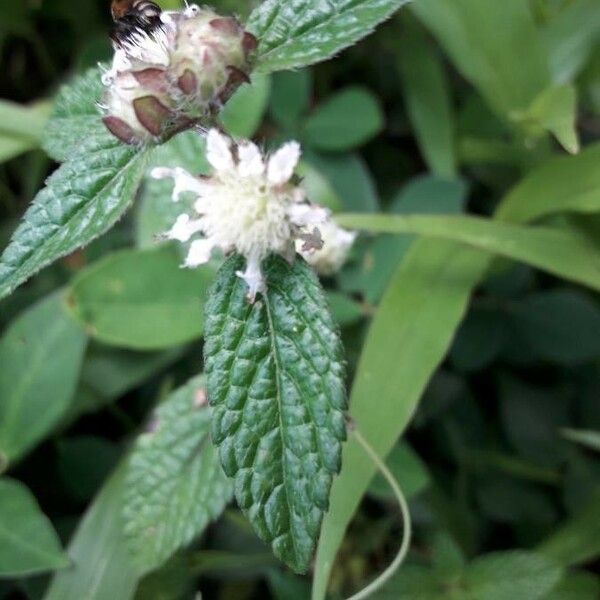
column 488, row 369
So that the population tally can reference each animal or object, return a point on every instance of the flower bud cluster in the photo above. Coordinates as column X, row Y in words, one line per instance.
column 167, row 78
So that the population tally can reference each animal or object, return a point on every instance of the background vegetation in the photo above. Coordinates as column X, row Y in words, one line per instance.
column 487, row 368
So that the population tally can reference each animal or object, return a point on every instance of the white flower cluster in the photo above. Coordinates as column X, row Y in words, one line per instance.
column 253, row 205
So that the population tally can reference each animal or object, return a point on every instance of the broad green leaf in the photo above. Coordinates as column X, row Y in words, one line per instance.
column 108, row 373
column 495, row 45
column 303, row 32
column 291, row 96
column 174, row 485
column 81, row 200
column 555, row 110
column 156, row 212
column 275, row 375
column 570, row 37
column 427, row 99
column 21, row 127
column 287, row 587
column 578, row 540
column 244, row 112
column 24, row 121
column 12, row 145
column 75, row 127
column 28, row 544
column 568, row 183
column 103, row 567
column 350, row 178
column 510, row 575
column 140, row 299
column 558, row 252
column 409, row 471
column 498, row 576
column 589, row 439
column 408, row 338
column 346, row 120
column 345, row 310
column 559, row 325
column 580, row 585
column 40, row 358
column 371, row 273
column 318, row 188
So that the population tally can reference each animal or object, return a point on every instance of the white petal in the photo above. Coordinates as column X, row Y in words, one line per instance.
column 184, row 182
column 199, row 253
column 251, row 161
column 253, row 277
column 184, row 228
column 218, row 151
column 308, row 214
column 283, row 162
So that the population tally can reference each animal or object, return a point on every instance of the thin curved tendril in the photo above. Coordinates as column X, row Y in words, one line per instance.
column 402, row 552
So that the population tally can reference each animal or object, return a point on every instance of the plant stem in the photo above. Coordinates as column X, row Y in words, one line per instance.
column 402, row 552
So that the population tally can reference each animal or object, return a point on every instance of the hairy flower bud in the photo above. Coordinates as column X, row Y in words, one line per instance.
column 167, row 78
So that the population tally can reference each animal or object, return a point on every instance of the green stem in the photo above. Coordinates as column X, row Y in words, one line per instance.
column 402, row 552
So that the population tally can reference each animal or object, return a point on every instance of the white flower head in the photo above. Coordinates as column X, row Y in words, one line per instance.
column 250, row 204
column 331, row 256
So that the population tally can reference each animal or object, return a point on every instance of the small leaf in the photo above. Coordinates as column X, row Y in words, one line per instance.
column 40, row 358
column 21, row 127
column 174, row 484
column 567, row 183
column 76, row 123
column 81, row 200
column 587, row 438
column 244, row 112
column 350, row 179
column 555, row 110
column 346, row 120
column 102, row 565
column 578, row 540
column 303, row 32
column 427, row 98
column 409, row 470
column 119, row 302
column 276, row 383
column 291, row 96
column 509, row 575
column 156, row 214
column 28, row 544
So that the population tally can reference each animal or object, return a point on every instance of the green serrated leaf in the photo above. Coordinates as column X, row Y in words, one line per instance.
column 76, row 124
column 174, row 484
column 81, row 200
column 276, row 383
column 303, row 32
column 28, row 544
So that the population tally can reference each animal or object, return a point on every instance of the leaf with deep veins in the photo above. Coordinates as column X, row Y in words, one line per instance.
column 81, row 200
column 297, row 33
column 276, row 383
